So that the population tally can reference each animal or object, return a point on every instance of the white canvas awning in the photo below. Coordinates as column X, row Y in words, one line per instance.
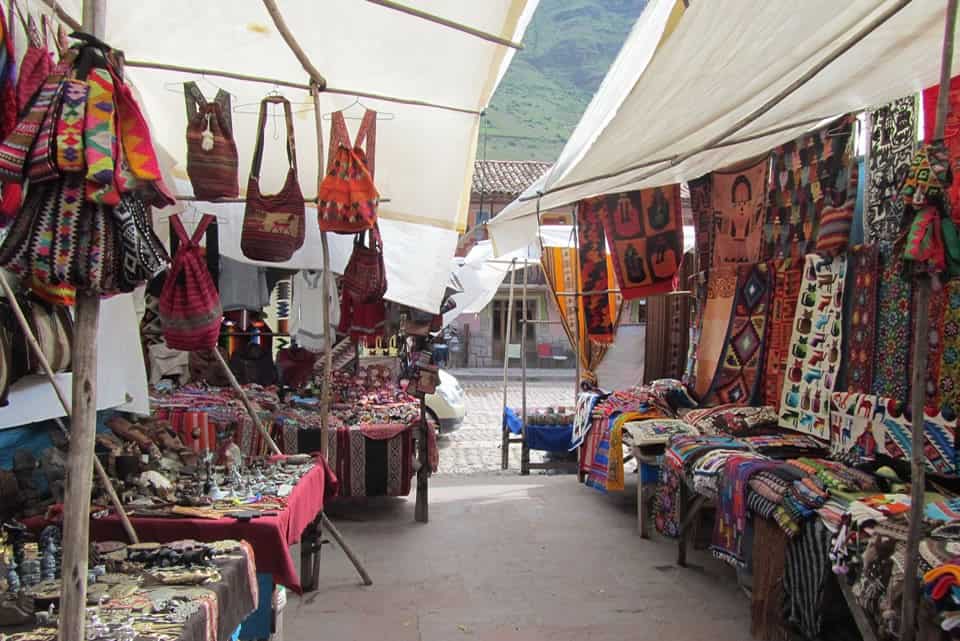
column 686, row 76
column 424, row 155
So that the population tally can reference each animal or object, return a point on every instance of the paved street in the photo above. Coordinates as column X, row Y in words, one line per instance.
column 475, row 447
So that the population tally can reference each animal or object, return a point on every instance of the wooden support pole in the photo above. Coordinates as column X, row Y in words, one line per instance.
column 422, row 510
column 483, row 35
column 62, row 397
column 911, row 592
column 251, row 411
column 505, row 329
column 83, row 424
column 328, row 339
column 335, row 533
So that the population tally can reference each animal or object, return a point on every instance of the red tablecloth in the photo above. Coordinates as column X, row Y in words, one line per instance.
column 270, row 536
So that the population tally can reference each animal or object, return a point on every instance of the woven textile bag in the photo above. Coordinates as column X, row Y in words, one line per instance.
column 365, row 278
column 211, row 150
column 273, row 225
column 189, row 303
column 347, row 197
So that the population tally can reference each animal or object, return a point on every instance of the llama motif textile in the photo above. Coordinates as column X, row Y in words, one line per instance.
column 735, row 202
column 862, row 318
column 738, row 373
column 893, row 130
column 806, row 176
column 594, row 276
column 869, row 425
column 814, row 359
column 787, row 275
column 644, row 231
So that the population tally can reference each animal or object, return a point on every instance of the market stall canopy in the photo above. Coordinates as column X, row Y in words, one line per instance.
column 687, row 78
column 424, row 155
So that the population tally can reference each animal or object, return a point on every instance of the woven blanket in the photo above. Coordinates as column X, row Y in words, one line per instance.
column 731, row 519
column 594, row 277
column 893, row 135
column 862, row 318
column 951, row 135
column 655, row 431
column 815, row 348
column 868, row 425
column 367, row 464
column 804, row 180
column 721, row 287
column 644, row 232
column 943, row 389
column 732, row 203
column 737, row 376
column 787, row 276
column 732, row 419
column 891, row 367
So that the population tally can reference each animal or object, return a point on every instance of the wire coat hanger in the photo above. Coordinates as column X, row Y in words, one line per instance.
column 381, row 115
column 177, row 86
column 254, row 107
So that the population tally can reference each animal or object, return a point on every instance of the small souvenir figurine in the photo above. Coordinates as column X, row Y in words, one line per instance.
column 13, row 579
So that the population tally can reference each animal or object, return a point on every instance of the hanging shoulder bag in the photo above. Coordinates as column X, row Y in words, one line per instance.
column 273, row 225
column 348, row 198
column 189, row 303
column 365, row 278
column 211, row 150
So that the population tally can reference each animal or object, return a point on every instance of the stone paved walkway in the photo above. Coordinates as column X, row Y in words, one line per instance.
column 475, row 447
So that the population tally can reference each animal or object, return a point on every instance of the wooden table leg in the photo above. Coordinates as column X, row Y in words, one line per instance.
column 310, row 556
column 682, row 517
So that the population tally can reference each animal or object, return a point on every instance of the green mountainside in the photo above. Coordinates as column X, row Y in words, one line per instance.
column 568, row 48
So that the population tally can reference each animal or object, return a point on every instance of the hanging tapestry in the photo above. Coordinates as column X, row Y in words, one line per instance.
column 947, row 389
column 807, row 175
column 559, row 265
column 738, row 373
column 698, row 283
column 935, row 346
column 737, row 200
column 644, row 231
column 668, row 332
column 891, row 364
column 869, row 425
column 862, row 317
column 814, row 358
column 702, row 209
column 893, row 129
column 721, row 287
column 951, row 136
column 594, row 276
column 787, row 275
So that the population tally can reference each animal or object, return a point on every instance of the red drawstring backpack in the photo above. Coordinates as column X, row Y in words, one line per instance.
column 189, row 302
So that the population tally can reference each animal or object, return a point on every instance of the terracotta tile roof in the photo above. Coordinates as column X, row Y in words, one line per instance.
column 505, row 177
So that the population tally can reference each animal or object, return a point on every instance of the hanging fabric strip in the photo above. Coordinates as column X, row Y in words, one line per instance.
column 893, row 135
column 594, row 276
column 787, row 275
column 862, row 318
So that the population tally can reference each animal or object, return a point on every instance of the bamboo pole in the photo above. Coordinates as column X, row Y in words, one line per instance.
column 335, row 533
column 83, row 423
column 246, row 401
column 911, row 593
column 396, row 6
column 505, row 431
column 328, row 340
column 62, row 397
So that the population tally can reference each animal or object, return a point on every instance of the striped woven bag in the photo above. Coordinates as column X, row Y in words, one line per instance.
column 189, row 303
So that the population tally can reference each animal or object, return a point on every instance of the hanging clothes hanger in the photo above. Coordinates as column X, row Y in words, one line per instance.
column 254, row 107
column 381, row 115
column 191, row 215
column 177, row 87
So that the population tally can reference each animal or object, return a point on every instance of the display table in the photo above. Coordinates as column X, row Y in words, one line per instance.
column 270, row 536
column 204, row 612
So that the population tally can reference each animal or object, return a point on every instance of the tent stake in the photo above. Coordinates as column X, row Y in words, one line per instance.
column 911, row 593
column 245, row 400
column 62, row 397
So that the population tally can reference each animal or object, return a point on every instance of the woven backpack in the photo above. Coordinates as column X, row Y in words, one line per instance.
column 189, row 303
